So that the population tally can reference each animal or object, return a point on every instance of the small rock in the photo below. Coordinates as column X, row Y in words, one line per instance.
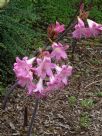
column 12, row 126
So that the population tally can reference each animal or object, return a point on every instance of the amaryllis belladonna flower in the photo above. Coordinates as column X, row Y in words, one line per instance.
column 94, row 27
column 81, row 31
column 60, row 79
column 58, row 51
column 59, row 28
column 63, row 73
column 44, row 66
column 22, row 69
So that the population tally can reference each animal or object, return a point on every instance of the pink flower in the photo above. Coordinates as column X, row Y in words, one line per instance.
column 81, row 31
column 63, row 73
column 53, row 84
column 59, row 28
column 58, row 51
column 80, row 24
column 60, row 79
column 53, row 87
column 54, row 29
column 22, row 69
column 94, row 27
column 78, row 29
column 45, row 67
column 39, row 87
column 30, row 86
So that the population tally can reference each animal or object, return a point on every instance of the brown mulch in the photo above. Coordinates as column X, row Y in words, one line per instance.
column 56, row 116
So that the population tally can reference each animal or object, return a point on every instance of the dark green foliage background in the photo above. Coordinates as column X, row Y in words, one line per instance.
column 16, row 35
column 63, row 10
column 23, row 26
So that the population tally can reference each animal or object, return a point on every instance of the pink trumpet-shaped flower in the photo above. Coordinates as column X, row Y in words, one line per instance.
column 54, row 29
column 22, row 69
column 78, row 29
column 30, row 86
column 39, row 87
column 59, row 28
column 59, row 80
column 45, row 66
column 80, row 24
column 81, row 30
column 82, row 33
column 53, row 84
column 58, row 51
column 94, row 27
column 63, row 73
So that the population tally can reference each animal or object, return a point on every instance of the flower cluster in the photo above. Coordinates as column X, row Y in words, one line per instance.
column 46, row 73
column 81, row 31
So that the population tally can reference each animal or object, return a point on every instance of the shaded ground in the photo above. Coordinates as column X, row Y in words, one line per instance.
column 75, row 111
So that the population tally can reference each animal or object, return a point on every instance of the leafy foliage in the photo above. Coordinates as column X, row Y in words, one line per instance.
column 52, row 10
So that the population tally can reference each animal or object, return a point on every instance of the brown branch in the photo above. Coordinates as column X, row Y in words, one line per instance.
column 92, row 83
